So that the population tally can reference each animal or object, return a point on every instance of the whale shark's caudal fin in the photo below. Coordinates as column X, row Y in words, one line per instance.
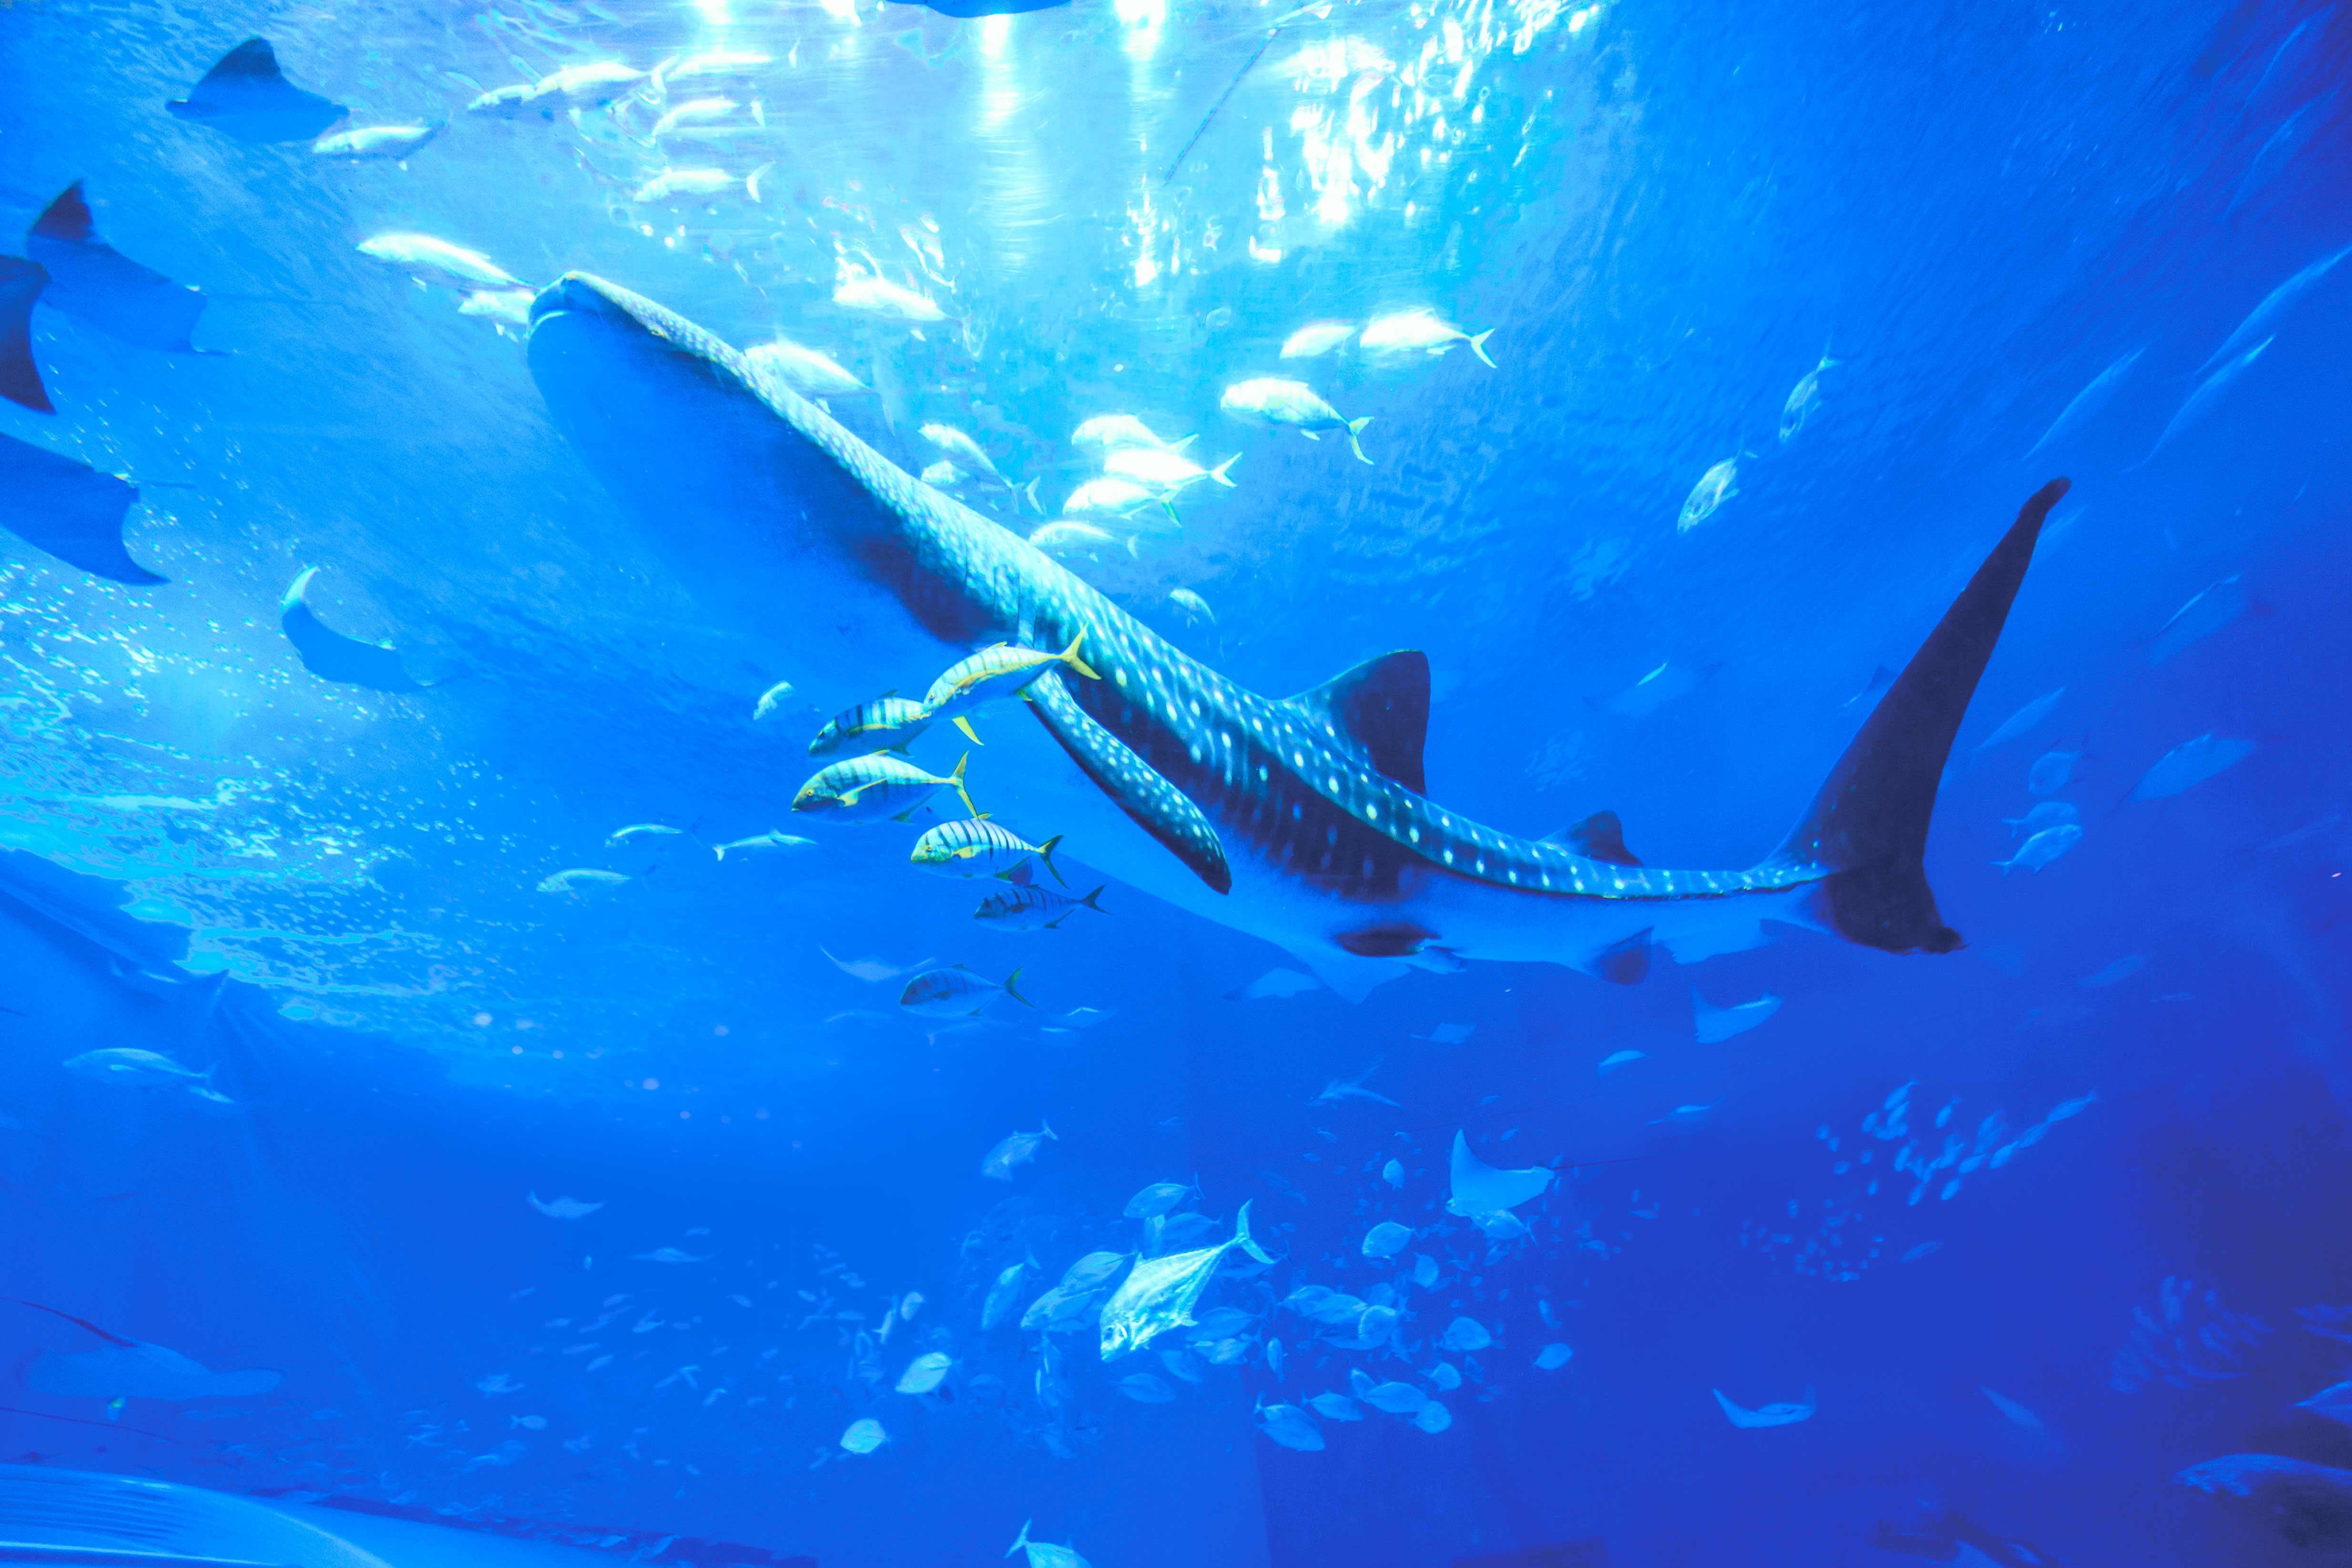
column 1868, row 825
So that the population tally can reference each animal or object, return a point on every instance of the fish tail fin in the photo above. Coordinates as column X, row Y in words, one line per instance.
column 1089, row 900
column 1029, row 490
column 968, row 732
column 1045, row 853
column 1046, row 1130
column 1356, row 428
column 1242, row 1236
column 1012, row 983
column 1478, row 347
column 956, row 778
column 1131, row 551
column 1866, row 831
column 1223, row 472
column 1021, row 1542
column 1069, row 656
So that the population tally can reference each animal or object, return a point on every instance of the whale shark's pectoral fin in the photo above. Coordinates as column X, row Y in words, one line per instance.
column 1381, row 709
column 1625, row 963
column 1157, row 806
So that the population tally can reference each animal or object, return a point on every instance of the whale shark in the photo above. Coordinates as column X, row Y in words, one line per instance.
column 1304, row 820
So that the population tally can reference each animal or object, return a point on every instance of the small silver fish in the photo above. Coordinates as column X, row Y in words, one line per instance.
column 2042, row 848
column 1274, row 402
column 879, row 297
column 956, row 993
column 1017, row 1149
column 582, row 879
column 771, row 702
column 439, row 261
column 1419, row 332
column 1196, row 607
column 1003, row 1293
column 1803, row 400
column 672, row 184
column 1317, row 339
column 769, row 843
column 1160, row 1197
column 804, row 369
column 961, row 448
column 1159, row 1294
column 1111, row 431
column 1715, row 487
column 375, row 142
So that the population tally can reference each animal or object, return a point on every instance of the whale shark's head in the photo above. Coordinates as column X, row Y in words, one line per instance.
column 782, row 524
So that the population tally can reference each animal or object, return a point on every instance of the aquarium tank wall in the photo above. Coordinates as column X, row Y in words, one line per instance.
column 1455, row 784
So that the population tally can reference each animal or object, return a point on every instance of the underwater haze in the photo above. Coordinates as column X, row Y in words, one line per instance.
column 1464, row 784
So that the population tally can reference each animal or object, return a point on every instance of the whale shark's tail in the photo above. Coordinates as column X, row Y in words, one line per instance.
column 1868, row 825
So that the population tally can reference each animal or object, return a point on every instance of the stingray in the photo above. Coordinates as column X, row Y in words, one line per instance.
column 246, row 96
column 132, row 1369
column 21, row 282
column 94, row 282
column 329, row 654
column 69, row 510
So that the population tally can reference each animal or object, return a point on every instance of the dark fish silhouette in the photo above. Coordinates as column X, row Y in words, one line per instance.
column 246, row 96
column 69, row 510
column 21, row 282
column 92, row 281
column 329, row 654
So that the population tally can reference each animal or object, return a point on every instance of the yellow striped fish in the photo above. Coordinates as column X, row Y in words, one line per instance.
column 1000, row 669
column 889, row 721
column 1032, row 909
column 978, row 848
column 878, row 786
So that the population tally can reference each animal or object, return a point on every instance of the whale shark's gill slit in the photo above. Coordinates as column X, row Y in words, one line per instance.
column 1157, row 806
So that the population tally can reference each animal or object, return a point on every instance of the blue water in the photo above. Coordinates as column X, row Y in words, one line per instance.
column 2031, row 1227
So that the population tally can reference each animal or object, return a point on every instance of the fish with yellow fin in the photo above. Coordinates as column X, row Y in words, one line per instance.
column 878, row 786
column 999, row 670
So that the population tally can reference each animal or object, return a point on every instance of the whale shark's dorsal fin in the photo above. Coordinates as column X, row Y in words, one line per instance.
column 1599, row 837
column 66, row 220
column 1381, row 708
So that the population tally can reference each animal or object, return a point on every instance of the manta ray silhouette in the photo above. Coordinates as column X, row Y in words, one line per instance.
column 329, row 654
column 69, row 510
column 21, row 282
column 92, row 281
column 245, row 95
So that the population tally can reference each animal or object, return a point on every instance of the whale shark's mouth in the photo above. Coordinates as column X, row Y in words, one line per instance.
column 578, row 291
column 583, row 296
